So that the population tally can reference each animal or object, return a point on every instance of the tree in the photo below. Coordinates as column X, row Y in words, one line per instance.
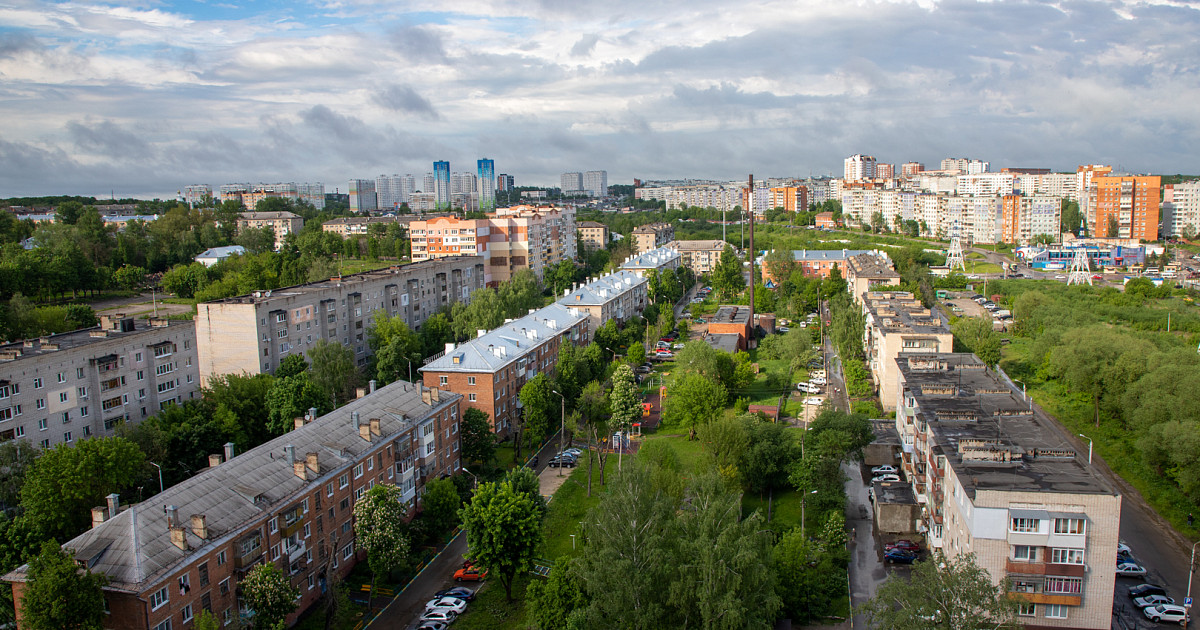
column 67, row 481
column 439, row 506
column 290, row 398
column 550, row 602
column 764, row 464
column 256, row 240
column 539, row 408
column 693, row 400
column 504, row 530
column 809, row 572
column 16, row 456
column 977, row 335
column 593, row 413
column 205, row 620
column 625, row 403
column 396, row 349
column 333, row 370
column 727, row 278
column 951, row 593
column 1113, row 227
column 59, row 595
column 291, row 365
column 478, row 441
column 435, row 333
column 1098, row 361
column 637, row 353
column 270, row 594
column 379, row 529
column 130, row 277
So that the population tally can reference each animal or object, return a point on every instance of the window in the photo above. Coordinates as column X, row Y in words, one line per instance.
column 203, row 569
column 1027, row 610
column 67, row 436
column 44, row 444
column 187, row 613
column 62, row 397
column 442, row 380
column 40, row 403
column 166, row 387
column 329, row 489
column 358, row 471
column 471, row 397
column 184, row 584
column 37, row 383
column 348, row 551
column 274, row 525
column 62, row 377
column 307, row 530
column 1028, row 525
column 166, row 625
column 1068, row 526
column 1025, row 553
column 20, row 431
column 83, row 411
column 1066, row 556
column 165, row 368
column 1056, row 611
column 470, row 380
column 224, row 586
column 227, row 616
column 274, row 552
column 159, row 598
column 141, row 375
column 1072, row 586
column 343, row 480
column 137, row 356
column 82, row 391
column 78, row 372
column 42, row 424
column 141, row 394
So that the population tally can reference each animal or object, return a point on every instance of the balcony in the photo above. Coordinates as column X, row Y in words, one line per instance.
column 246, row 562
column 296, row 552
column 1049, row 598
column 1043, row 568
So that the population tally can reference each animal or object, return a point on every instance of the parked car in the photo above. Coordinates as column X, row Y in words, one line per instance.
column 889, row 477
column 644, row 369
column 813, row 401
column 899, row 556
column 783, row 329
column 885, row 469
column 819, row 380
column 1152, row 600
column 471, row 574
column 562, row 461
column 802, row 385
column 1171, row 613
column 1123, row 549
column 1146, row 589
column 453, row 604
column 574, row 452
column 677, row 346
column 1130, row 569
column 434, row 625
column 460, row 592
column 444, row 616
column 906, row 545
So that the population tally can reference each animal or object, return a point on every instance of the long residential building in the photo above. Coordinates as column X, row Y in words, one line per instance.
column 346, row 227
column 250, row 194
column 1181, row 209
column 701, row 257
column 994, row 479
column 1130, row 203
column 70, row 386
column 281, row 223
column 252, row 333
column 490, row 370
column 288, row 502
column 867, row 270
column 659, row 260
column 817, row 263
column 898, row 324
column 652, row 236
column 593, row 234
column 617, row 296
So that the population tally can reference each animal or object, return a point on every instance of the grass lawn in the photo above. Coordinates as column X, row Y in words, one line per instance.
column 570, row 506
column 982, row 267
column 490, row 610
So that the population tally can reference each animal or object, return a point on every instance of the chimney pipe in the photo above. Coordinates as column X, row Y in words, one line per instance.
column 228, row 451
column 300, row 470
column 114, row 504
column 354, row 419
column 375, row 426
column 179, row 537
column 99, row 515
column 172, row 515
column 312, row 414
column 372, row 386
column 364, row 432
column 214, row 460
column 290, row 451
column 310, row 459
column 200, row 526
column 298, row 422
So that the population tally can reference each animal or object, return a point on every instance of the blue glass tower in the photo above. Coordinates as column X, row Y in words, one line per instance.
column 441, row 177
column 487, row 184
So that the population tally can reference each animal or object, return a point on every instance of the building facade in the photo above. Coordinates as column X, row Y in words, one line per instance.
column 487, row 184
column 509, row 240
column 197, row 195
column 658, row 260
column 571, row 183
column 70, row 386
column 1128, row 202
column 504, row 182
column 1181, row 209
column 858, row 167
column 1026, row 218
column 596, row 183
column 282, row 223
column 441, row 184
column 618, row 296
column 252, row 333
column 490, row 370
column 288, row 502
column 897, row 324
column 652, row 236
column 593, row 234
column 701, row 257
column 363, row 197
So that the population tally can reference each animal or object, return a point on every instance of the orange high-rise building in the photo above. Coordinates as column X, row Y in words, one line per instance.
column 1132, row 200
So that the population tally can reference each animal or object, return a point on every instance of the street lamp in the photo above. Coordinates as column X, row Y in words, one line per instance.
column 562, row 428
column 1023, row 394
column 1089, row 447
column 160, row 483
column 464, row 469
column 803, row 500
column 1191, row 568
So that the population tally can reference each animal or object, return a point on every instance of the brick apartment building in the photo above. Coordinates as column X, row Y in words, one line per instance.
column 282, row 223
column 69, row 386
column 360, row 226
column 652, row 236
column 252, row 333
column 661, row 259
column 897, row 324
column 490, row 370
column 815, row 263
column 1132, row 201
column 509, row 240
column 619, row 296
column 288, row 502
column 593, row 234
column 699, row 256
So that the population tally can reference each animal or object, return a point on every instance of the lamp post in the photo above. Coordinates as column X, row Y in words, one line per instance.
column 464, row 469
column 803, row 501
column 1191, row 568
column 562, row 428
column 1017, row 380
column 1089, row 447
column 160, row 483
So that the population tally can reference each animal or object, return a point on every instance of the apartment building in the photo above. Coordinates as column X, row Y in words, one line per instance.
column 197, row 195
column 346, row 227
column 490, row 370
column 250, row 194
column 571, row 183
column 74, row 385
column 1026, row 218
column 661, row 259
column 824, row 220
column 593, row 234
column 866, row 270
column 790, row 198
column 393, row 190
column 596, row 183
column 858, row 167
column 1181, row 209
column 993, row 479
column 815, row 263
column 1132, row 201
column 701, row 257
column 908, row 169
column 652, row 236
column 618, row 296
column 252, row 333
column 288, row 502
column 510, row 239
column 896, row 325
column 282, row 223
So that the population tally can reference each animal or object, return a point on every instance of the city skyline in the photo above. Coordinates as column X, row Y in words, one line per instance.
column 144, row 101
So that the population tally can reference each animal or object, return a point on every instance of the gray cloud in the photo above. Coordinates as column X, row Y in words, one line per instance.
column 13, row 43
column 418, row 43
column 584, row 46
column 344, row 128
column 402, row 98
column 107, row 138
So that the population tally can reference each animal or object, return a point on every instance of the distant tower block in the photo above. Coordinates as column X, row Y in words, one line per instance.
column 1081, row 269
column 954, row 257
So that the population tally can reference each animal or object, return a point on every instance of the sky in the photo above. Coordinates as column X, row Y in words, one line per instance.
column 142, row 97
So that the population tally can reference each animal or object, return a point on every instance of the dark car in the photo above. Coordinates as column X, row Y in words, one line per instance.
column 904, row 545
column 899, row 556
column 460, row 592
column 562, row 461
column 1146, row 589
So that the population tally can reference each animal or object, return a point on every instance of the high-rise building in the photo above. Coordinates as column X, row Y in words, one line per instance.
column 504, row 183
column 1026, row 218
column 441, row 184
column 197, row 194
column 571, row 183
column 388, row 192
column 885, row 171
column 362, row 196
column 487, row 184
column 858, row 167
column 596, row 183
column 911, row 168
column 462, row 184
column 428, row 184
column 1181, row 209
column 1130, row 203
column 408, row 185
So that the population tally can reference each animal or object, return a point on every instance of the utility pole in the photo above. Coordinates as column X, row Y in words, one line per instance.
column 750, row 202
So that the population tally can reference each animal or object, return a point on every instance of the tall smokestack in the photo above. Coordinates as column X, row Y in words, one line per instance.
column 750, row 202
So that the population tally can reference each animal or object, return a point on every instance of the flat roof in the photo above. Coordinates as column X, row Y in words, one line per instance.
column 987, row 432
column 899, row 311
column 870, row 266
column 727, row 342
column 734, row 314
column 85, row 336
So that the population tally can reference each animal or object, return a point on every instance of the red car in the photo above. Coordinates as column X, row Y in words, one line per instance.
column 906, row 545
column 470, row 574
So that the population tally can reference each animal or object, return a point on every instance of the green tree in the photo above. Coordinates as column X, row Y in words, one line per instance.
column 625, row 404
column 16, row 457
column 130, row 277
column 727, row 278
column 333, row 370
column 953, row 594
column 504, row 530
column 256, row 240
column 637, row 353
column 810, row 573
column 205, row 620
column 1099, row 361
column 539, row 409
column 764, row 464
column 59, row 594
column 291, row 365
column 478, row 441
column 270, row 594
column 1071, row 219
column 67, row 481
column 1113, row 227
column 551, row 601
column 440, row 504
column 484, row 311
column 379, row 529
column 593, row 419
column 692, row 401
column 291, row 398
column 977, row 335
column 435, row 333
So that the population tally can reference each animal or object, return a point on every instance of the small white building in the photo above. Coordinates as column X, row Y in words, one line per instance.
column 215, row 255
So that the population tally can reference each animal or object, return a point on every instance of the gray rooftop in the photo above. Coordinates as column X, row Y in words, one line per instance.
column 222, row 252
column 697, row 246
column 268, row 216
column 899, row 311
column 652, row 259
column 602, row 290
column 501, row 346
column 987, row 432
column 870, row 266
column 118, row 327
column 731, row 315
column 727, row 342
column 822, row 255
column 134, row 548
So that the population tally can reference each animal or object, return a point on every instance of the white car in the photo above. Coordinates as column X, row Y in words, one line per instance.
column 802, row 385
column 444, row 616
column 891, row 477
column 884, row 470
column 819, row 380
column 1130, row 569
column 817, row 373
column 1123, row 549
column 1166, row 612
column 814, row 401
column 452, row 604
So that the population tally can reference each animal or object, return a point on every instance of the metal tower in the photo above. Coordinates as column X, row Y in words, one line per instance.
column 1081, row 269
column 954, row 257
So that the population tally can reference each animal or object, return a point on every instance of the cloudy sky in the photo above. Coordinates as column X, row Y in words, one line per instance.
column 142, row 97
